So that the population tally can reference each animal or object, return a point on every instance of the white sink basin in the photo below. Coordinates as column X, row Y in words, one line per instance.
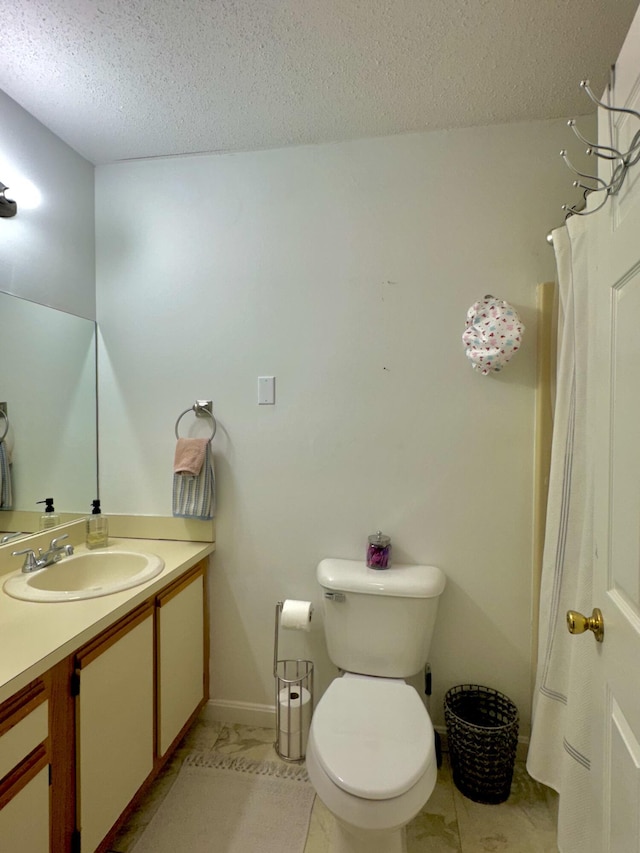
column 85, row 575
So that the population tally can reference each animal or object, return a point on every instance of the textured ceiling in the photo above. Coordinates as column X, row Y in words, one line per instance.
column 121, row 79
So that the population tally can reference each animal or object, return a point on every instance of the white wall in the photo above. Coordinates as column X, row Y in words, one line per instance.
column 47, row 252
column 346, row 271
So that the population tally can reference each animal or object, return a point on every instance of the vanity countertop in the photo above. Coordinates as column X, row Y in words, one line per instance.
column 36, row 636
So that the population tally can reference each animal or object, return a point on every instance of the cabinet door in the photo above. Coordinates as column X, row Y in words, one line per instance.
column 24, row 820
column 114, row 735
column 24, row 770
column 181, row 656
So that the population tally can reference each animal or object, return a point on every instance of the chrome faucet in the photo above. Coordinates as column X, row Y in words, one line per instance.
column 55, row 552
column 8, row 536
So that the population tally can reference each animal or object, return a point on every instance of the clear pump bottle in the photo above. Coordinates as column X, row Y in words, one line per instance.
column 97, row 528
column 49, row 517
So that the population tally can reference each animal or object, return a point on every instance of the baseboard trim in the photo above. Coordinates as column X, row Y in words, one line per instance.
column 242, row 713
column 264, row 716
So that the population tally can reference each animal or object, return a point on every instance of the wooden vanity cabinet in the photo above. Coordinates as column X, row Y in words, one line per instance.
column 80, row 745
column 25, row 817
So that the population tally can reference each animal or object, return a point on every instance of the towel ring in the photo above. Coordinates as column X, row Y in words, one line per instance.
column 202, row 408
column 6, row 424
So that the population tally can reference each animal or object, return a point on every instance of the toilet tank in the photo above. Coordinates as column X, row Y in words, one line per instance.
column 379, row 622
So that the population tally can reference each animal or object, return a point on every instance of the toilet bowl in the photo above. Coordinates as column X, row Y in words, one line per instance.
column 371, row 759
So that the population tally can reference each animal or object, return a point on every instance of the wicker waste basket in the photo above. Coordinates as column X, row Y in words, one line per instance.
column 482, row 729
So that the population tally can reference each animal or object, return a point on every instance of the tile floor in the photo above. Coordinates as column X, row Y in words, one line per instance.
column 449, row 823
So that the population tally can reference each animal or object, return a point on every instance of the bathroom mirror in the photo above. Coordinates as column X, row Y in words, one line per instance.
column 48, row 383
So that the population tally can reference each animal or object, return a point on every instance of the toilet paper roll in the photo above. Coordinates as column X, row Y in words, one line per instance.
column 296, row 614
column 292, row 745
column 294, row 709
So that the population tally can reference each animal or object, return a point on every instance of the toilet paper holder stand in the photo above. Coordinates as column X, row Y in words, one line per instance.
column 294, row 700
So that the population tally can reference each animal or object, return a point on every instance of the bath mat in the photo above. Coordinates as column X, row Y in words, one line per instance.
column 231, row 804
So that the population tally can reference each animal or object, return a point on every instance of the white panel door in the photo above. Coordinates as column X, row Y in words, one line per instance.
column 615, row 298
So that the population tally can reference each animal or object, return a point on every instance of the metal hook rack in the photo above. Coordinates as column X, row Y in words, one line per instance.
column 202, row 409
column 621, row 161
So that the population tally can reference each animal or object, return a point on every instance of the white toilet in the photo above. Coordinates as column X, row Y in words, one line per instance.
column 371, row 753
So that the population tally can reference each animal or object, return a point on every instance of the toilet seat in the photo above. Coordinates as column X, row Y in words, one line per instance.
column 373, row 737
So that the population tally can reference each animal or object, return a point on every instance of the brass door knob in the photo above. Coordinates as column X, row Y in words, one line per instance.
column 578, row 624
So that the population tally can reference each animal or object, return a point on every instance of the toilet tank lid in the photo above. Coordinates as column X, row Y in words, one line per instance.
column 401, row 580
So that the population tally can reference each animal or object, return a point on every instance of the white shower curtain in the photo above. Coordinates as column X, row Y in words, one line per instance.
column 559, row 752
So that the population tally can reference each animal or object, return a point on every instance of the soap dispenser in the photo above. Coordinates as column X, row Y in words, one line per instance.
column 97, row 528
column 49, row 517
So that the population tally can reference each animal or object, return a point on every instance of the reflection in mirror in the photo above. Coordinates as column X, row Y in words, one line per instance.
column 48, row 382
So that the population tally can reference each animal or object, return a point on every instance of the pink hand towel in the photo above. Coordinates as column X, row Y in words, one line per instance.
column 190, row 453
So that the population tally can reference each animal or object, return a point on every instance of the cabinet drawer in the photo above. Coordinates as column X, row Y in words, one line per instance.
column 23, row 737
column 24, row 821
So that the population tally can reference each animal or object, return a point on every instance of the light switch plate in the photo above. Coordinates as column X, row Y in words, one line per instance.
column 266, row 390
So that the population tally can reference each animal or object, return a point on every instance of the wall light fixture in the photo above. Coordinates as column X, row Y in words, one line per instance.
column 8, row 207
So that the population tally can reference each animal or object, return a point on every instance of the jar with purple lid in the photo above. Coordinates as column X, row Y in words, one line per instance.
column 379, row 551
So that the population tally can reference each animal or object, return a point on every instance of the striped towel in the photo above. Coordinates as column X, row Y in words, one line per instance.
column 194, row 496
column 6, row 492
